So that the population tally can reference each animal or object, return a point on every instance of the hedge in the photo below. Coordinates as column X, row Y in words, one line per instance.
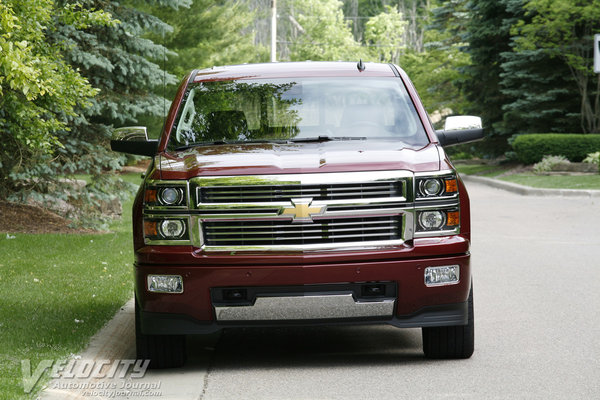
column 531, row 148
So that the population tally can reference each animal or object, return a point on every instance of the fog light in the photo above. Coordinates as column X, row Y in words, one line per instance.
column 440, row 276
column 165, row 283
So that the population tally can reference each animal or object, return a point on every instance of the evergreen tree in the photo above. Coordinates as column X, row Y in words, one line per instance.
column 564, row 29
column 488, row 36
column 437, row 70
column 539, row 87
column 123, row 66
column 210, row 33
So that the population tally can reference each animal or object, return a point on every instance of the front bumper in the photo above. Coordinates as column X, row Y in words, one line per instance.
column 316, row 294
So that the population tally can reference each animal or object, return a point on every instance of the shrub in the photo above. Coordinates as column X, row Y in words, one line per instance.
column 531, row 148
column 547, row 163
column 593, row 158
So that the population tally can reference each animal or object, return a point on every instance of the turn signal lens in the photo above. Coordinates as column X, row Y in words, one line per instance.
column 150, row 228
column 453, row 218
column 451, row 186
column 150, row 196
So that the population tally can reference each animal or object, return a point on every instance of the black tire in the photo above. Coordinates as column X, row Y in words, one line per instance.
column 163, row 351
column 451, row 341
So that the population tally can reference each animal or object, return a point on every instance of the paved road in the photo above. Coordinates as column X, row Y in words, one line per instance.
column 537, row 299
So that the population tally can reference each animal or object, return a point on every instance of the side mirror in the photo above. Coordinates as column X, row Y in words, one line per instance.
column 460, row 129
column 133, row 140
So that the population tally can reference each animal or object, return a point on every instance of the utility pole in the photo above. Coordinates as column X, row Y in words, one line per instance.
column 273, row 30
column 597, row 53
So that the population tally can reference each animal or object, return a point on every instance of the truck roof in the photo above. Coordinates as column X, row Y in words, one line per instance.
column 294, row 69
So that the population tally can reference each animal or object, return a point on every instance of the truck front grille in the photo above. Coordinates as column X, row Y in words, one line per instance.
column 321, row 231
column 270, row 193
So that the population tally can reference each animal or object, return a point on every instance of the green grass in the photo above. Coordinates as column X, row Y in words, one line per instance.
column 50, row 282
column 588, row 182
column 556, row 181
column 489, row 171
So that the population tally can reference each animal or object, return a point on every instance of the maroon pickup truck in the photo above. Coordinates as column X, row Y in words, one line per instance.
column 310, row 193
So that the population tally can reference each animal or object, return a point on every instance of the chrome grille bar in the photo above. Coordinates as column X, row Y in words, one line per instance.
column 269, row 193
column 241, row 232
column 303, row 212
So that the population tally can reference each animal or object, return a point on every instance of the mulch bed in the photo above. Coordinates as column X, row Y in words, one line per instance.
column 21, row 218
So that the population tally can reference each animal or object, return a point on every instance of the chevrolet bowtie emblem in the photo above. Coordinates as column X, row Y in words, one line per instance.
column 301, row 210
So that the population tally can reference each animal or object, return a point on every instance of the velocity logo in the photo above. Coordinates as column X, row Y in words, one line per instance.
column 82, row 369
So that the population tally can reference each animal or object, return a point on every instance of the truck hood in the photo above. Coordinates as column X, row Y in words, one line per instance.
column 276, row 158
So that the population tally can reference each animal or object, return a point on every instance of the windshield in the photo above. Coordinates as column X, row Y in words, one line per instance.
column 298, row 109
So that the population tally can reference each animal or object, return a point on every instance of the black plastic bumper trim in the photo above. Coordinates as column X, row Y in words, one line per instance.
column 180, row 324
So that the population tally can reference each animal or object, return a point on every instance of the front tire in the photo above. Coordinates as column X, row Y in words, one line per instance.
column 451, row 341
column 163, row 351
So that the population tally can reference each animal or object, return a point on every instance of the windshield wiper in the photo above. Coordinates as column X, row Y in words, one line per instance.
column 220, row 142
column 294, row 140
column 190, row 145
column 326, row 139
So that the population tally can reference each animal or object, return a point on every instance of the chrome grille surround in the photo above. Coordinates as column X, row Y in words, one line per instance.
column 357, row 210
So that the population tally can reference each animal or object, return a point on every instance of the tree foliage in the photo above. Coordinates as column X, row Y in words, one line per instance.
column 325, row 34
column 385, row 34
column 71, row 70
column 564, row 29
column 39, row 89
column 82, row 48
column 209, row 33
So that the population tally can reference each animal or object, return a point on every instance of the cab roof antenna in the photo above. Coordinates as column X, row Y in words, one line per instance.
column 361, row 66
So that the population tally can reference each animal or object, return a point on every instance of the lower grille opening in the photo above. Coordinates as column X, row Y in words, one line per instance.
column 321, row 231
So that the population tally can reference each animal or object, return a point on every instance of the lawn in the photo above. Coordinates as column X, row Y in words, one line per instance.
column 556, row 181
column 57, row 291
column 589, row 182
column 489, row 171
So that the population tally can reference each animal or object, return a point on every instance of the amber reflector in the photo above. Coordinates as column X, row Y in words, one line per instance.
column 150, row 228
column 451, row 186
column 150, row 196
column 453, row 218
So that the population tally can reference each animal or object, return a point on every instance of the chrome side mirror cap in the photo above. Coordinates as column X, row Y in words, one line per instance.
column 462, row 122
column 133, row 140
column 460, row 129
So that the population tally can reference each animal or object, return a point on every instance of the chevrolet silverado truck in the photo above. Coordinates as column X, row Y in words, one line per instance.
column 310, row 193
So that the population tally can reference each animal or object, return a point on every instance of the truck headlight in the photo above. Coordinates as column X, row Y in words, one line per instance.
column 170, row 196
column 164, row 194
column 172, row 228
column 431, row 187
column 431, row 220
column 438, row 220
column 161, row 231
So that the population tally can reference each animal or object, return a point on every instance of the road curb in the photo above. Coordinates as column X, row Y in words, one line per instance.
column 530, row 191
